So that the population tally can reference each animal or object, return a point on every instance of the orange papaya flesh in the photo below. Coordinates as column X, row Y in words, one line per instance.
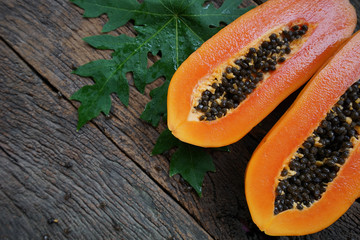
column 330, row 23
column 315, row 102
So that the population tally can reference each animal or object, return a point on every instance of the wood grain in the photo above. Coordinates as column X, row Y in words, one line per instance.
column 117, row 189
column 102, row 195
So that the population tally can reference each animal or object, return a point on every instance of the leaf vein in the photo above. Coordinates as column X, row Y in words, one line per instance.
column 193, row 32
column 132, row 54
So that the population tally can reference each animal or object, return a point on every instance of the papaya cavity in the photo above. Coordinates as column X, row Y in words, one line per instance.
column 237, row 77
column 229, row 84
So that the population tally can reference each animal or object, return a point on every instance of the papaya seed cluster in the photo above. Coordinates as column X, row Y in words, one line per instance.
column 240, row 80
column 317, row 162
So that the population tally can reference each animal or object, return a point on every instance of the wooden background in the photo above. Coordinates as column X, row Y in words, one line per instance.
column 114, row 189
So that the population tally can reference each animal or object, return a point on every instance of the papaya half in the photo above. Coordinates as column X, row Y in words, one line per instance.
column 305, row 173
column 237, row 77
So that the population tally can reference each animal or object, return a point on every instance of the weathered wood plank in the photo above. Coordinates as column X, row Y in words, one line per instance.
column 104, row 195
column 47, row 35
column 54, row 53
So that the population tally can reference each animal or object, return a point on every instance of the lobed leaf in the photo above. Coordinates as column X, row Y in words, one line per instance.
column 96, row 98
column 174, row 28
column 170, row 27
column 165, row 142
column 192, row 163
column 157, row 106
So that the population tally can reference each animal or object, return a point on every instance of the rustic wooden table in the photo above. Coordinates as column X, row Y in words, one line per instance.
column 114, row 189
